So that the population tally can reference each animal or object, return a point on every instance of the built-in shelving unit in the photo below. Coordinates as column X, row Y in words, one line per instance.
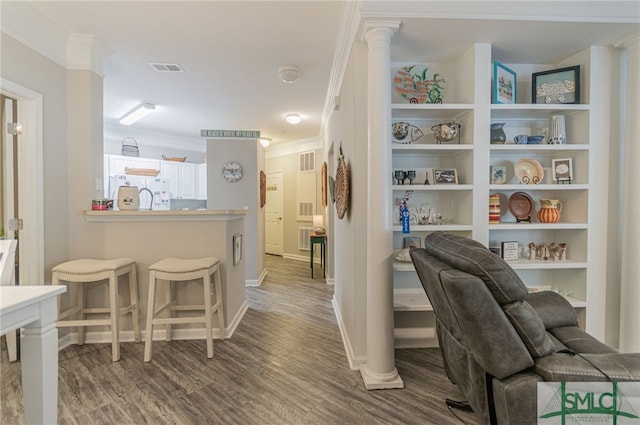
column 464, row 206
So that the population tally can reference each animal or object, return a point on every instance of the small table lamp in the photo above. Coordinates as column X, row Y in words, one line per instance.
column 317, row 224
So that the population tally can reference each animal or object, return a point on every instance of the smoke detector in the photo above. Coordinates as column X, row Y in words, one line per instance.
column 289, row 74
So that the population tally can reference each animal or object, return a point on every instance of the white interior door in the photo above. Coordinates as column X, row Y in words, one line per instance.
column 8, row 186
column 274, row 214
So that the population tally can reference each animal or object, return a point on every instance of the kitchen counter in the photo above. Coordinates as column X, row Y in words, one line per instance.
column 172, row 215
column 149, row 236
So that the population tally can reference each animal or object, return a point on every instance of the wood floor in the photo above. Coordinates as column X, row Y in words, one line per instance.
column 284, row 365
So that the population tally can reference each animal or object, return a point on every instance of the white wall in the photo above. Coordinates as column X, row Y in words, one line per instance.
column 347, row 127
column 240, row 195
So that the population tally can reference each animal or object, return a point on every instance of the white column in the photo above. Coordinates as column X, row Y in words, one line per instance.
column 630, row 247
column 379, row 371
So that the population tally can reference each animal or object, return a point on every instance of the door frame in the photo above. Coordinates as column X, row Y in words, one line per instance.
column 30, row 181
column 281, row 172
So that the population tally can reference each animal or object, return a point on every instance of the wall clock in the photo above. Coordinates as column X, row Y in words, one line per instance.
column 232, row 171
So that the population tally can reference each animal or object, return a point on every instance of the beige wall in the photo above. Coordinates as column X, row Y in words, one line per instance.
column 288, row 164
column 72, row 150
column 27, row 68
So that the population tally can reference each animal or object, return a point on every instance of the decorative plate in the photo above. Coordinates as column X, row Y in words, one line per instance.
column 420, row 84
column 528, row 171
column 521, row 206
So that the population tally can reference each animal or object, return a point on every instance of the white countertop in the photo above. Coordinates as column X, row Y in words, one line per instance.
column 172, row 215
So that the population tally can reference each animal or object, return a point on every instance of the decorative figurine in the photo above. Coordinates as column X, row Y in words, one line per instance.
column 532, row 251
column 553, row 251
column 563, row 251
column 544, row 251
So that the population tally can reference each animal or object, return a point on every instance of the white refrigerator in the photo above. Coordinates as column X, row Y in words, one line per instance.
column 159, row 187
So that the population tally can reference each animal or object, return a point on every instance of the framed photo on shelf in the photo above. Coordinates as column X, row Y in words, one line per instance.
column 562, row 170
column 504, row 84
column 237, row 248
column 445, row 176
column 509, row 251
column 556, row 86
column 412, row 242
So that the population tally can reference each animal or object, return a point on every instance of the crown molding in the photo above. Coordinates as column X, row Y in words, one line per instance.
column 31, row 27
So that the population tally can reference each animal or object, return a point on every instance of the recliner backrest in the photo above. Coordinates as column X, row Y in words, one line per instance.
column 505, row 285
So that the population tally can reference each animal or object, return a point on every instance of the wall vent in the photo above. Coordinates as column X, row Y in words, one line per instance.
column 303, row 238
column 307, row 161
column 167, row 67
column 305, row 210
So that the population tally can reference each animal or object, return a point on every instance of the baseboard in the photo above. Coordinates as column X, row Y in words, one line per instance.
column 354, row 362
column 415, row 338
column 257, row 282
column 330, row 281
column 104, row 337
column 316, row 260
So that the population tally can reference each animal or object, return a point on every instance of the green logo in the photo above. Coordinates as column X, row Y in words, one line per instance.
column 595, row 403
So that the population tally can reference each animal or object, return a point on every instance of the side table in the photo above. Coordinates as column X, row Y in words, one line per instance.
column 316, row 238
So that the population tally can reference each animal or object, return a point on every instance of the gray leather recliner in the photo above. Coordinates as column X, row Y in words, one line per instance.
column 497, row 340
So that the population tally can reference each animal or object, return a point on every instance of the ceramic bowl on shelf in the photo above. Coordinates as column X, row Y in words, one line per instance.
column 445, row 132
column 534, row 140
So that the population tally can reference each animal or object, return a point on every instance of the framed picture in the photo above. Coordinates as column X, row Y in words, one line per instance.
column 509, row 251
column 498, row 174
column 237, row 248
column 445, row 176
column 556, row 86
column 562, row 170
column 412, row 242
column 504, row 84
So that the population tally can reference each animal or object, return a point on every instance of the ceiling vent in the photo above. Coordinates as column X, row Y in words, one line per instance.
column 167, row 67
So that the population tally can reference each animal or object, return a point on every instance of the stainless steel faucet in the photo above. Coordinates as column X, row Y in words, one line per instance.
column 150, row 193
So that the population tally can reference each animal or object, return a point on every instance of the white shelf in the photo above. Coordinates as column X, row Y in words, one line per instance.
column 435, row 227
column 524, row 264
column 520, row 149
column 430, row 148
column 402, row 266
column 410, row 300
column 523, row 187
column 537, row 226
column 435, row 187
column 533, row 111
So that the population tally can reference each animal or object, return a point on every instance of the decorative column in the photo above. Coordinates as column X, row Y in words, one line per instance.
column 630, row 226
column 379, row 371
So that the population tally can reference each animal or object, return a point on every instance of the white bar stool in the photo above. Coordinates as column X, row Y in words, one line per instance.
column 175, row 270
column 83, row 271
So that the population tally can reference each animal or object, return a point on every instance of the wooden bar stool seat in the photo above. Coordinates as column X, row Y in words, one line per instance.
column 77, row 274
column 175, row 270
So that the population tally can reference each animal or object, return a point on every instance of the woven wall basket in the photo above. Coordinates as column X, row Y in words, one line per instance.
column 342, row 189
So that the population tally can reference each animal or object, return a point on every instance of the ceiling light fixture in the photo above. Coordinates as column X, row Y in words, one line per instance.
column 136, row 113
column 265, row 141
column 293, row 118
column 289, row 74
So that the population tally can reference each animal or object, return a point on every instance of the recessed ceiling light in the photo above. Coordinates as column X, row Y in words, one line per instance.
column 264, row 141
column 293, row 118
column 289, row 74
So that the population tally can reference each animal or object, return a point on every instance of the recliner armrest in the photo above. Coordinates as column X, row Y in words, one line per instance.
column 553, row 309
column 568, row 367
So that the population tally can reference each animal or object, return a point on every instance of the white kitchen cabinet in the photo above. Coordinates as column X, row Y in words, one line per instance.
column 201, row 185
column 118, row 163
column 182, row 178
column 464, row 207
